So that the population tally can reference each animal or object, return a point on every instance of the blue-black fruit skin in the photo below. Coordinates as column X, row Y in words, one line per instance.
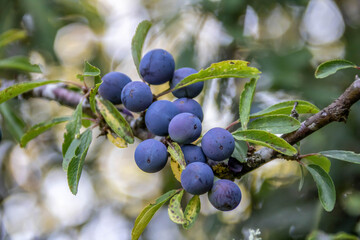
column 112, row 85
column 193, row 153
column 151, row 155
column 225, row 195
column 157, row 66
column 159, row 115
column 136, row 96
column 197, row 178
column 218, row 144
column 185, row 128
column 191, row 106
column 190, row 91
column 235, row 165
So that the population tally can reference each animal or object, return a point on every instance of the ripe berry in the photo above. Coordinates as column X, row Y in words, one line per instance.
column 112, row 85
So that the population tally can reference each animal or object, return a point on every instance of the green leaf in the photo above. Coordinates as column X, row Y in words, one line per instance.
column 276, row 124
column 14, row 124
column 319, row 235
column 72, row 128
column 330, row 67
column 346, row 156
column 39, row 128
column 240, row 151
column 175, row 152
column 246, row 99
column 325, row 185
column 115, row 120
column 76, row 164
column 20, row 88
column 138, row 42
column 302, row 177
column 92, row 95
column 11, row 35
column 148, row 212
column 90, row 71
column 303, row 107
column 19, row 63
column 71, row 153
column 319, row 160
column 265, row 139
column 175, row 212
column 224, row 69
column 192, row 211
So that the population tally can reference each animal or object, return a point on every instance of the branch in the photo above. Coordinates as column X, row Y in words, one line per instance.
column 337, row 111
column 66, row 97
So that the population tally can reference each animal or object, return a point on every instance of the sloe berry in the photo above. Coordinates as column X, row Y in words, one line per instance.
column 191, row 106
column 136, row 96
column 157, row 66
column 193, row 153
column 185, row 128
column 190, row 91
column 197, row 178
column 159, row 115
column 218, row 144
column 225, row 195
column 112, row 85
column 151, row 155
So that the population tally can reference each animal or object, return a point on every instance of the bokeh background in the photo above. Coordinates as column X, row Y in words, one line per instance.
column 286, row 40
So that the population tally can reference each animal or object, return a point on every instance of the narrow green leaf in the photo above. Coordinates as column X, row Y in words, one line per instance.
column 330, row 67
column 240, row 151
column 19, row 63
column 265, row 139
column 303, row 107
column 72, row 128
column 92, row 95
column 276, row 124
column 224, row 69
column 175, row 212
column 37, row 129
column 148, row 212
column 115, row 120
column 14, row 124
column 175, row 152
column 246, row 99
column 302, row 177
column 319, row 160
column 20, row 88
column 76, row 164
column 192, row 211
column 138, row 42
column 71, row 153
column 346, row 156
column 11, row 35
column 325, row 185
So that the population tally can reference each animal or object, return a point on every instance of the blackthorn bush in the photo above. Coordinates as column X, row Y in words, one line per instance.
column 225, row 195
column 157, row 66
column 191, row 106
column 159, row 115
column 218, row 144
column 151, row 155
column 136, row 96
column 190, row 91
column 185, row 128
column 193, row 153
column 112, row 85
column 197, row 178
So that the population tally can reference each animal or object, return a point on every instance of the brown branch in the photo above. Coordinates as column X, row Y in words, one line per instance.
column 337, row 111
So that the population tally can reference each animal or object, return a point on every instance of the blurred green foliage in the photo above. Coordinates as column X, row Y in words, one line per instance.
column 200, row 33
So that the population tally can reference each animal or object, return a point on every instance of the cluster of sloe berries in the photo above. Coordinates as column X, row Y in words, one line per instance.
column 181, row 121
